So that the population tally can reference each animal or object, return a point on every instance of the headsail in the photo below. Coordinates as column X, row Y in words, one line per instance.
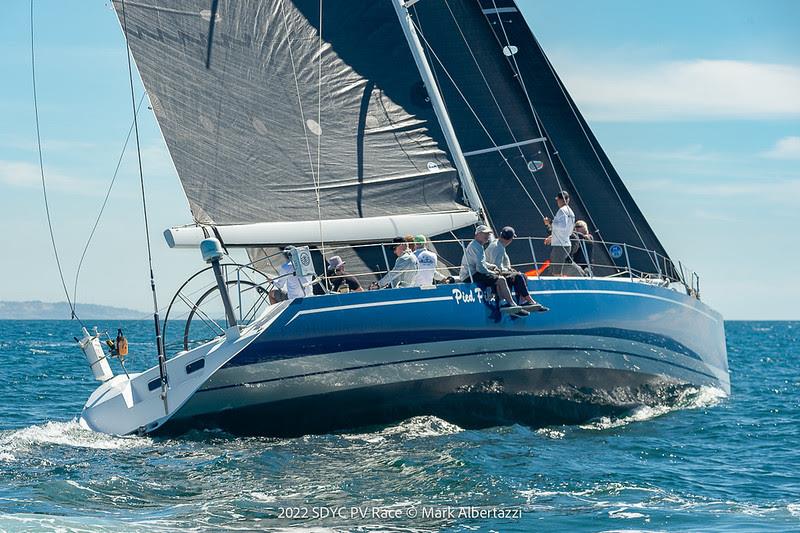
column 307, row 111
column 522, row 134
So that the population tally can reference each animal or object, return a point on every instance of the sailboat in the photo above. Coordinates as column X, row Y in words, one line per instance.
column 337, row 126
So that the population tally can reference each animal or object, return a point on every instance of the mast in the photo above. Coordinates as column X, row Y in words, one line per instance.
column 470, row 190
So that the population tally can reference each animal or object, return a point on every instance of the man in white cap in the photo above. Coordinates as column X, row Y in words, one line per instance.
column 475, row 268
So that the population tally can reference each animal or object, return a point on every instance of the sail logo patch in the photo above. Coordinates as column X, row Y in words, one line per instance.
column 535, row 166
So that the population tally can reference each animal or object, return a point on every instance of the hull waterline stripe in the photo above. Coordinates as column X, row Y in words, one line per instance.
column 624, row 293
column 372, row 304
column 450, row 356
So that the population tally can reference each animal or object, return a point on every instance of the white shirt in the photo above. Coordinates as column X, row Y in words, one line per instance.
column 563, row 225
column 427, row 267
column 295, row 286
column 497, row 256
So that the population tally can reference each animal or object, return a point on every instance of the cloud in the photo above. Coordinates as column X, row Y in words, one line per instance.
column 692, row 153
column 782, row 190
column 27, row 175
column 24, row 174
column 786, row 148
column 697, row 89
column 49, row 145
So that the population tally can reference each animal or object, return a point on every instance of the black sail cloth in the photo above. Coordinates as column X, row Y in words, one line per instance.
column 500, row 90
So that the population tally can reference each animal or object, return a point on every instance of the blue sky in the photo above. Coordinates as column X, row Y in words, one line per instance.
column 696, row 103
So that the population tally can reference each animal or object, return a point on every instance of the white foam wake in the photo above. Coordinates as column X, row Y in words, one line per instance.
column 412, row 428
column 69, row 433
column 690, row 398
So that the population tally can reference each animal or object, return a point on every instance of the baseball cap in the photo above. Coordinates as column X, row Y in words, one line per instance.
column 564, row 195
column 483, row 228
column 508, row 233
column 420, row 239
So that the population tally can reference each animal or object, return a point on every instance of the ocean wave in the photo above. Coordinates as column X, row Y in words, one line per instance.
column 689, row 398
column 631, row 500
column 412, row 428
column 623, row 512
column 551, row 433
column 69, row 433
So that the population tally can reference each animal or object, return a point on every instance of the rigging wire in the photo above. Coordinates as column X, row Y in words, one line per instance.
column 105, row 201
column 500, row 110
column 314, row 177
column 597, row 155
column 527, row 95
column 536, row 118
column 583, row 130
column 484, row 214
column 477, row 118
column 319, row 141
column 159, row 340
column 70, row 302
column 539, row 125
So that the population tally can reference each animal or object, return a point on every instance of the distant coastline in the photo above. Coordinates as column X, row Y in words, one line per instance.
column 38, row 310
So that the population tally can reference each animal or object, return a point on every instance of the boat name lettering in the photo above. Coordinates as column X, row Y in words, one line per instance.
column 468, row 297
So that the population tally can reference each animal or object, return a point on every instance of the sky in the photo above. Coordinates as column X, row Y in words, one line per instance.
column 697, row 104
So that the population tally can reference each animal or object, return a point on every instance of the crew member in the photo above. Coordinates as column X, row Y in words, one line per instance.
column 405, row 268
column 428, row 261
column 582, row 254
column 475, row 268
column 288, row 285
column 560, row 230
column 338, row 279
column 496, row 255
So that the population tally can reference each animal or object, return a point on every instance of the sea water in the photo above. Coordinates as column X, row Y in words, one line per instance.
column 703, row 463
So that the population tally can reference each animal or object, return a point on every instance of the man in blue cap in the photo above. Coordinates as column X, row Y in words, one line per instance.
column 497, row 256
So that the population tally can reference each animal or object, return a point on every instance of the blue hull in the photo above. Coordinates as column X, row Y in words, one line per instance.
column 343, row 361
